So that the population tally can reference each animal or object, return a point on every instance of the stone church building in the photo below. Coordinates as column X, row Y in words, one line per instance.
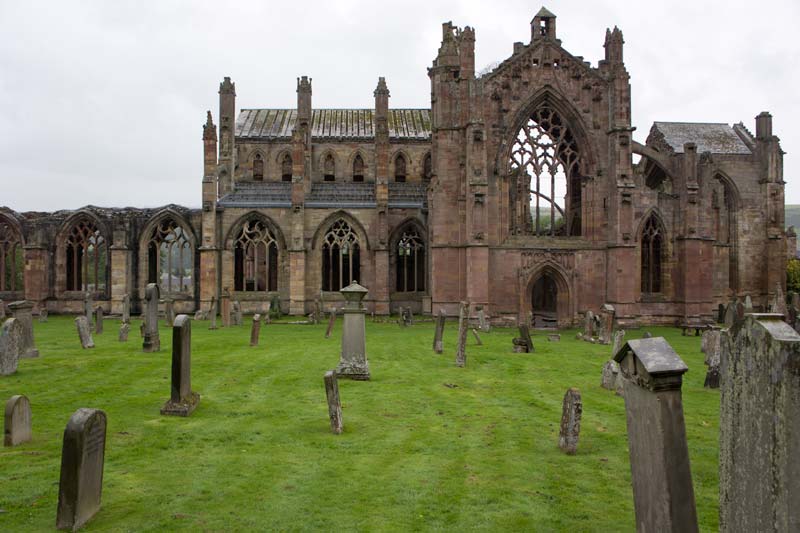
column 520, row 189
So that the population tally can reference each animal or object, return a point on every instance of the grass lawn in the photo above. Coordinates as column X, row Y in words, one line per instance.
column 426, row 445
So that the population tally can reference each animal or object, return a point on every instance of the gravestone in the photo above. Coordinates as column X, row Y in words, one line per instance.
column 212, row 314
column 98, row 320
column 710, row 345
column 317, row 311
column 730, row 314
column 794, row 300
column 748, row 304
column 461, row 347
column 406, row 316
column 17, row 421
column 720, row 313
column 606, row 329
column 554, row 337
column 84, row 332
column 267, row 311
column 483, row 324
column 438, row 345
column 182, row 400
column 126, row 309
column 334, row 403
column 608, row 379
column 225, row 307
column 43, row 315
column 619, row 337
column 331, row 321
column 570, row 422
column 779, row 301
column 255, row 330
column 10, row 346
column 647, row 335
column 82, row 459
column 169, row 310
column 238, row 320
column 124, row 329
column 523, row 343
column 588, row 326
column 759, row 474
column 276, row 307
column 200, row 315
column 477, row 337
column 663, row 495
column 88, row 306
column 23, row 312
column 353, row 362
column 152, row 342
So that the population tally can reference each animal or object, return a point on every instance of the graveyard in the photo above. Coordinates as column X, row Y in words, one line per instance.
column 426, row 444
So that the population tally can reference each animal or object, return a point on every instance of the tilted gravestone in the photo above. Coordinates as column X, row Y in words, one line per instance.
column 619, row 337
column 353, row 362
column 523, row 343
column 710, row 345
column 571, row 412
column 84, row 332
column 331, row 321
column 438, row 345
column 17, row 421
column 759, row 474
column 98, row 320
column 126, row 309
column 82, row 460
column 225, row 307
column 461, row 347
column 212, row 314
column 43, row 316
column 255, row 330
column 334, row 403
column 10, row 346
column 477, row 337
column 124, row 329
column 152, row 342
column 23, row 312
column 663, row 495
column 182, row 400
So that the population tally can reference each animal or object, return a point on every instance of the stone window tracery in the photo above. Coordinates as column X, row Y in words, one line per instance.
column 546, row 199
column 258, row 168
column 358, row 168
column 86, row 258
column 652, row 256
column 255, row 258
column 12, row 262
column 286, row 168
column 400, row 168
column 410, row 262
column 341, row 257
column 170, row 260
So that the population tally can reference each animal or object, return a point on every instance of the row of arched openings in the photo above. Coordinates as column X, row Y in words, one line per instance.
column 329, row 168
column 11, row 259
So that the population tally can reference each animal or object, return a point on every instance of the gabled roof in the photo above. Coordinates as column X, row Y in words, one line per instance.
column 656, row 355
column 406, row 124
column 717, row 138
column 545, row 13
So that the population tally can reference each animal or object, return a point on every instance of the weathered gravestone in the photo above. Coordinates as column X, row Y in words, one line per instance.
column 200, row 315
column 353, row 362
column 17, row 421
column 759, row 473
column 748, row 304
column 461, row 347
column 88, row 306
column 169, row 310
column 43, row 316
column 182, row 400
column 523, row 343
column 730, row 314
column 212, row 314
column 275, row 305
column 438, row 346
column 483, row 324
column 720, row 313
column 710, row 345
column 126, row 309
column 10, row 346
column 477, row 337
column 588, row 326
column 331, row 321
column 98, row 320
column 794, row 300
column 408, row 317
column 84, row 332
column 647, row 335
column 225, row 307
column 23, row 312
column 570, row 422
column 317, row 311
column 663, row 495
column 124, row 329
column 610, row 373
column 267, row 312
column 82, row 459
column 607, row 313
column 152, row 342
column 238, row 319
column 619, row 337
column 334, row 403
column 255, row 330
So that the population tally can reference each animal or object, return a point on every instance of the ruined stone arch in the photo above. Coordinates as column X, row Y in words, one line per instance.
column 409, row 264
column 333, row 217
column 655, row 168
column 164, row 243
column 562, row 281
column 12, row 256
column 83, row 261
column 255, row 256
column 236, row 227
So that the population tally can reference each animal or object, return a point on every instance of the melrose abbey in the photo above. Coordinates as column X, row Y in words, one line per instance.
column 520, row 189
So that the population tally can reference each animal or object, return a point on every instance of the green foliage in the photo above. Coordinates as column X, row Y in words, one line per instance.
column 793, row 275
column 426, row 445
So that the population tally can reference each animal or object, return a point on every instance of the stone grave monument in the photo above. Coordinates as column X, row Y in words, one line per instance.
column 84, row 332
column 461, row 346
column 334, row 403
column 152, row 342
column 17, row 421
column 182, row 400
column 570, row 430
column 255, row 330
column 353, row 362
column 10, row 346
column 23, row 312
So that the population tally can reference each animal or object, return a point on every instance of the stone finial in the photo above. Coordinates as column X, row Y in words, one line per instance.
column 381, row 89
column 227, row 87
column 613, row 45
column 209, row 129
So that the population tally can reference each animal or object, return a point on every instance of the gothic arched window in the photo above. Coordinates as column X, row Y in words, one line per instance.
column 258, row 168
column 341, row 260
column 724, row 203
column 358, row 168
column 12, row 263
column 410, row 263
column 329, row 168
column 255, row 258
column 86, row 258
column 286, row 168
column 545, row 159
column 652, row 256
column 427, row 167
column 170, row 261
column 400, row 168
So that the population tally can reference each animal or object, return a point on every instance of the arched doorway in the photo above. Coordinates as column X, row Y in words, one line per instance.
column 544, row 302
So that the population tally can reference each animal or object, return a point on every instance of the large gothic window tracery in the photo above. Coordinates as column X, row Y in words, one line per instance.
column 12, row 263
column 410, row 261
column 652, row 255
column 341, row 257
column 86, row 258
column 546, row 198
column 255, row 258
column 170, row 261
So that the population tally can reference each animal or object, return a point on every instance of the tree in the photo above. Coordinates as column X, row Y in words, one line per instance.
column 793, row 275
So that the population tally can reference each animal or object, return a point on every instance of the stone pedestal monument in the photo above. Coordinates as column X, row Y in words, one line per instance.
column 353, row 362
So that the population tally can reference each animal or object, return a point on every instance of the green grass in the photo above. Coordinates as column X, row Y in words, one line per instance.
column 257, row 454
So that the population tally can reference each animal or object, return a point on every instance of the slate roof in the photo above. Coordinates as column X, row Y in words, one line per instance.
column 709, row 137
column 259, row 194
column 405, row 124
column 324, row 195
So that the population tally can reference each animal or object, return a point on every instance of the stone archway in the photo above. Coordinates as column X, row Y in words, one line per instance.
column 544, row 301
column 546, row 289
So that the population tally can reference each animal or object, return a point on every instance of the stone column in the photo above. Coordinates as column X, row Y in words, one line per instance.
column 225, row 307
column 759, row 474
column 152, row 343
column 663, row 495
column 121, row 275
column 182, row 400
column 35, row 273
column 353, row 363
column 23, row 312
column 297, row 282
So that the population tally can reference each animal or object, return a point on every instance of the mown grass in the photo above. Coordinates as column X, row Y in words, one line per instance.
column 426, row 445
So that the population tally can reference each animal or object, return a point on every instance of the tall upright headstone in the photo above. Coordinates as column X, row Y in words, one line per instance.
column 267, row 312
column 663, row 495
column 23, row 312
column 748, row 304
column 17, row 421
column 126, row 308
column 225, row 307
column 169, row 310
column 619, row 338
column 353, row 362
column 152, row 342
column 84, row 332
column 212, row 314
column 331, row 322
column 88, row 306
column 334, row 403
column 10, row 346
column 759, row 474
column 606, row 319
column 588, row 325
column 182, row 400
column 570, row 430
column 779, row 303
column 98, row 320
column 461, row 346
column 721, row 313
column 82, row 460
column 124, row 329
column 438, row 346
column 255, row 330
column 730, row 314
column 237, row 313
column 710, row 345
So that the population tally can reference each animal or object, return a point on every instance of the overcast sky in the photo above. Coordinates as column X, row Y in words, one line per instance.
column 103, row 102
